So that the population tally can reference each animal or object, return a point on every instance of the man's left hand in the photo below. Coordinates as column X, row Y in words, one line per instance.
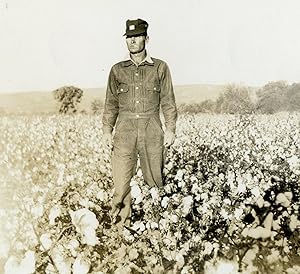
column 169, row 138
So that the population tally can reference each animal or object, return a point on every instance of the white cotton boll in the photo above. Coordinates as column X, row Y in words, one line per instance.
column 139, row 173
column 186, row 204
column 204, row 196
column 89, row 236
column 12, row 266
column 276, row 225
column 163, row 223
column 222, row 267
column 288, row 195
column 260, row 201
column 281, row 199
column 80, row 266
column 245, row 232
column 154, row 225
column 136, row 193
column 83, row 218
column 136, row 226
column 293, row 161
column 224, row 214
column 227, row 201
column 180, row 260
column 50, row 269
column 255, row 191
column 133, row 254
column 73, row 244
column 154, row 194
column 28, row 262
column 259, row 232
column 293, row 270
column 179, row 175
column 273, row 257
column 37, row 211
column 251, row 255
column 294, row 223
column 25, row 266
column 208, row 248
column 142, row 227
column 174, row 218
column 238, row 212
column 241, row 187
column 55, row 212
column 62, row 263
column 268, row 221
column 86, row 223
column 46, row 241
column 101, row 195
column 164, row 202
column 4, row 247
column 181, row 183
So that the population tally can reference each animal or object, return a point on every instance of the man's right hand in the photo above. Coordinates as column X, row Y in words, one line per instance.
column 107, row 140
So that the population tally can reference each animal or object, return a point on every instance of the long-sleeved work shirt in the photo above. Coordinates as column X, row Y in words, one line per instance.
column 139, row 89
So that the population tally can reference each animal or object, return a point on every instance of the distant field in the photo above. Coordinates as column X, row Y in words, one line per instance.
column 43, row 101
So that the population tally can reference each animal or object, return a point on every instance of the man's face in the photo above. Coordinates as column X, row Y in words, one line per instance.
column 136, row 44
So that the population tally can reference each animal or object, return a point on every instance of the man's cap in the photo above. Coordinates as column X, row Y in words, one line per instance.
column 136, row 27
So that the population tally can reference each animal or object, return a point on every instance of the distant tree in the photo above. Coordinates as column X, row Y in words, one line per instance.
column 97, row 106
column 293, row 97
column 207, row 106
column 272, row 97
column 69, row 97
column 234, row 99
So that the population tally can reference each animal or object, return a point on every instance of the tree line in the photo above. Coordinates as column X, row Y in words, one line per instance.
column 273, row 97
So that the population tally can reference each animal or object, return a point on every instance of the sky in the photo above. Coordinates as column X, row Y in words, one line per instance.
column 45, row 44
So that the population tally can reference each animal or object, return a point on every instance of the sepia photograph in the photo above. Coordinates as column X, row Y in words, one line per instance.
column 152, row 137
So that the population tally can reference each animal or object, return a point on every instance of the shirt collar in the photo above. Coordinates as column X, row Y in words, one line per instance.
column 147, row 59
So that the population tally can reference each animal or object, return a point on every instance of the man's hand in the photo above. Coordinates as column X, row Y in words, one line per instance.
column 169, row 138
column 107, row 140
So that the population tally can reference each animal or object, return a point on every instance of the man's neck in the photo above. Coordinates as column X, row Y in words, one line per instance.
column 138, row 57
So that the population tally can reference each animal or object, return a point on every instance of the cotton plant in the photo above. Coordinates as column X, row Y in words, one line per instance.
column 24, row 265
column 229, row 201
column 86, row 224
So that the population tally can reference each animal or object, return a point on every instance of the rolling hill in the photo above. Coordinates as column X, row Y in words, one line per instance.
column 43, row 102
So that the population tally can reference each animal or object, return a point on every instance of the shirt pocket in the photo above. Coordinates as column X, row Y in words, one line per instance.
column 122, row 88
column 123, row 94
column 152, row 96
column 154, row 87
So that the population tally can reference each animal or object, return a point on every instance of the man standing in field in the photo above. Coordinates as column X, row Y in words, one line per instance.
column 136, row 89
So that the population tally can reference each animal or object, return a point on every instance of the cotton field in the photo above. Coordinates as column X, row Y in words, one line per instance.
column 230, row 203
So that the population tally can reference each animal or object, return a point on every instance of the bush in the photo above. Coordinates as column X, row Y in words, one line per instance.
column 97, row 106
column 235, row 99
column 70, row 97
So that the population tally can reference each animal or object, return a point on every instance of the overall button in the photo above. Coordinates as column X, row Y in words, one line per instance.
column 137, row 101
column 136, row 87
column 137, row 116
column 136, row 74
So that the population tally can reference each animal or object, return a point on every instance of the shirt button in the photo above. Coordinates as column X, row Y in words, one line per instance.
column 137, row 101
column 121, row 89
column 136, row 74
column 136, row 87
column 137, row 116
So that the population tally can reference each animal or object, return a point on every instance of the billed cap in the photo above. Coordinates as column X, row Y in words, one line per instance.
column 136, row 27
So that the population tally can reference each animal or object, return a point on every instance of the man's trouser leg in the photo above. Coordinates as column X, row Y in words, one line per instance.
column 124, row 160
column 150, row 147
